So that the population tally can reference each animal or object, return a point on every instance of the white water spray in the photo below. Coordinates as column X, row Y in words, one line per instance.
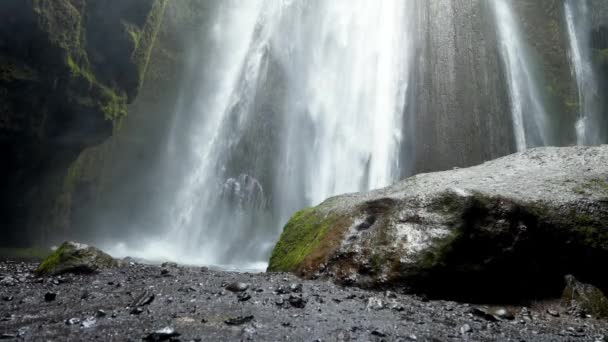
column 579, row 32
column 530, row 122
column 336, row 73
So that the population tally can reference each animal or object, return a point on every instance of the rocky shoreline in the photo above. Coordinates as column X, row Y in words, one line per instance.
column 137, row 302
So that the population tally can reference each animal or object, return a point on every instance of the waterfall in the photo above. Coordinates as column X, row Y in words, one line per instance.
column 530, row 122
column 579, row 33
column 290, row 102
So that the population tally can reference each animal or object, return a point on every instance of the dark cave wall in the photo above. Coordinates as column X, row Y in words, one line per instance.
column 62, row 89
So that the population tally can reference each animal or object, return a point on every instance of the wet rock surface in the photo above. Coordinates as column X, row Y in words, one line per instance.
column 191, row 305
column 73, row 257
column 521, row 223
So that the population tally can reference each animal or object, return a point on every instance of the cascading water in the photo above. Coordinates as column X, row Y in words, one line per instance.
column 579, row 32
column 530, row 121
column 299, row 101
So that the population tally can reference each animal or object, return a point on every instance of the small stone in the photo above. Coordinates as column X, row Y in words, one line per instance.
column 136, row 311
column 8, row 298
column 279, row 301
column 483, row 314
column 50, row 296
column 144, row 298
column 297, row 302
column 8, row 336
column 378, row 333
column 553, row 313
column 100, row 313
column 244, row 296
column 375, row 303
column 72, row 321
column 239, row 320
column 248, row 331
column 237, row 287
column 390, row 294
column 88, row 323
column 164, row 334
column 465, row 329
column 282, row 290
column 503, row 313
column 165, row 273
column 296, row 288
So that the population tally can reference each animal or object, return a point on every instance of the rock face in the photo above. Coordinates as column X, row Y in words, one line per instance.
column 73, row 257
column 587, row 298
column 510, row 227
column 460, row 100
column 68, row 68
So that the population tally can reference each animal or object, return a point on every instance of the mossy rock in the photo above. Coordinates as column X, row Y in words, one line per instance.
column 73, row 257
column 587, row 297
column 519, row 223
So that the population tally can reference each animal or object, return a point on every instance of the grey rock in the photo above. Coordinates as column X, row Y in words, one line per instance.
column 297, row 301
column 50, row 296
column 239, row 320
column 584, row 298
column 445, row 231
column 72, row 321
column 88, row 323
column 163, row 334
column 73, row 257
column 237, row 287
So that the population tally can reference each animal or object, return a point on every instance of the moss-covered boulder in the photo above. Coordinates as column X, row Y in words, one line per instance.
column 73, row 257
column 512, row 227
column 585, row 297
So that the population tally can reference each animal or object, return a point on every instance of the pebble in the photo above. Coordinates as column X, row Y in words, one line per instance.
column 50, row 296
column 72, row 321
column 297, row 301
column 465, row 329
column 88, row 323
column 239, row 320
column 244, row 296
column 237, row 287
column 163, row 334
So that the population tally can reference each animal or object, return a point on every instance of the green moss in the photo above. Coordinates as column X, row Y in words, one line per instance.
column 439, row 250
column 48, row 265
column 134, row 35
column 10, row 71
column 592, row 186
column 146, row 39
column 303, row 233
column 112, row 105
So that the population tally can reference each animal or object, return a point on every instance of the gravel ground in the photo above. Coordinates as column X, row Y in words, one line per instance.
column 137, row 302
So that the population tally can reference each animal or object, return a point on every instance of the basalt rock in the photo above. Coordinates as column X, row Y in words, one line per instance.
column 68, row 69
column 509, row 228
column 72, row 257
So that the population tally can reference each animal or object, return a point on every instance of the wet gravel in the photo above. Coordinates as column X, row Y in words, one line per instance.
column 153, row 303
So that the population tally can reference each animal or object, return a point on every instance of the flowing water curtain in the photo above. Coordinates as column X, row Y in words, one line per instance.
column 349, row 64
column 589, row 106
column 531, row 124
column 346, row 65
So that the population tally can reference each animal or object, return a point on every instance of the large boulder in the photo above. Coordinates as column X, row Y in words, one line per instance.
column 511, row 227
column 73, row 257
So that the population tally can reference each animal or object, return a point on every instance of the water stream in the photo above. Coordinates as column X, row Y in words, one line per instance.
column 530, row 120
column 301, row 100
column 579, row 33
